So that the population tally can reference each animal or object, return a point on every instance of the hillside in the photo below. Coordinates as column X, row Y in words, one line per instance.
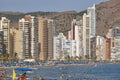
column 63, row 18
column 108, row 16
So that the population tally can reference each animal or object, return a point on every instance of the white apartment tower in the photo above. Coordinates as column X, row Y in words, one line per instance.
column 30, row 36
column 100, row 48
column 5, row 27
column 92, row 20
column 86, row 35
column 58, row 46
column 76, row 34
column 89, row 33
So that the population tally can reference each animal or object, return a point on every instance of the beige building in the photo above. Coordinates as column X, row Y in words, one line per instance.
column 46, row 33
column 43, row 38
column 18, row 43
column 51, row 33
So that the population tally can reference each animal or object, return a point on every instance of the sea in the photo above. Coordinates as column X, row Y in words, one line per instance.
column 99, row 71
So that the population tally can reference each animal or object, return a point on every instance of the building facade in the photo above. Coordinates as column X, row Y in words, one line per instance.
column 115, row 44
column 86, row 36
column 51, row 33
column 43, row 38
column 18, row 43
column 5, row 27
column 92, row 20
column 70, row 48
column 100, row 48
column 107, row 54
column 2, row 49
column 76, row 34
column 89, row 33
column 47, row 30
column 25, row 27
column 58, row 48
column 29, row 28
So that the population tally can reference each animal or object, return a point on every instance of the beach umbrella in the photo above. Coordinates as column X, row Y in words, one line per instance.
column 23, row 69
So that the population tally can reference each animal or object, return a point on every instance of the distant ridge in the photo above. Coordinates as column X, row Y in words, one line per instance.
column 11, row 13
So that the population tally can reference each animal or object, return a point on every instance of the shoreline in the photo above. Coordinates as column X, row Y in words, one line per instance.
column 48, row 65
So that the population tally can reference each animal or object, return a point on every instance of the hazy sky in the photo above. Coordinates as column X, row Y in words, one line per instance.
column 46, row 5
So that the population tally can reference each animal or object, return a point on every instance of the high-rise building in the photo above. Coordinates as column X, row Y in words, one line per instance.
column 86, row 36
column 2, row 49
column 18, row 43
column 100, row 48
column 5, row 27
column 71, row 35
column 46, row 33
column 93, row 48
column 76, row 34
column 63, row 48
column 43, row 38
column 89, row 33
column 51, row 33
column 34, row 37
column 29, row 28
column 24, row 26
column 59, row 44
column 92, row 20
column 70, row 48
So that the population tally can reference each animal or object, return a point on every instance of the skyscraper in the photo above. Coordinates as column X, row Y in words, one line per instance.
column 29, row 28
column 2, row 49
column 76, row 34
column 24, row 26
column 92, row 20
column 86, row 36
column 51, row 33
column 34, row 37
column 59, row 44
column 5, row 27
column 18, row 43
column 47, row 30
column 43, row 38
column 89, row 33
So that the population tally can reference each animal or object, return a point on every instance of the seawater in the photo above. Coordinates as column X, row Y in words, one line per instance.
column 105, row 71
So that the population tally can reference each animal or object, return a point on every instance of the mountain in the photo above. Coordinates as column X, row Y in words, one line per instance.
column 63, row 18
column 108, row 16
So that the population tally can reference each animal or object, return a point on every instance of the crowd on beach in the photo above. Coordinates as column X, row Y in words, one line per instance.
column 3, row 74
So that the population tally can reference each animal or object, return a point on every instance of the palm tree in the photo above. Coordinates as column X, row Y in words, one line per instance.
column 15, row 56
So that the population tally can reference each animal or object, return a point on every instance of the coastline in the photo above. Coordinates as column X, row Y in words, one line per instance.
column 51, row 65
column 47, row 65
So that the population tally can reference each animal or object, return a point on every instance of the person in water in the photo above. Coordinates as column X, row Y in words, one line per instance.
column 41, row 78
column 22, row 77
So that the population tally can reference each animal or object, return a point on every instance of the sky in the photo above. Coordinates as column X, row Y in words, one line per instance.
column 46, row 5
